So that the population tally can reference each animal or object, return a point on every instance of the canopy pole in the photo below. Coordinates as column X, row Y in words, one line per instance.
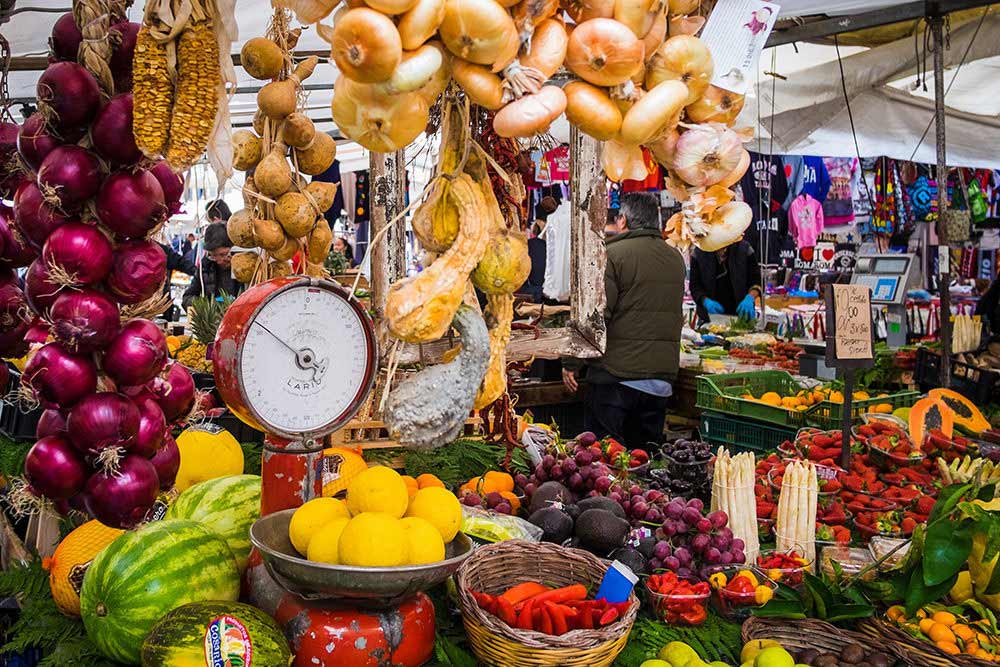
column 936, row 23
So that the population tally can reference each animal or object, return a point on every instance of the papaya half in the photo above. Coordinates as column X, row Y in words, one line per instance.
column 966, row 414
column 927, row 414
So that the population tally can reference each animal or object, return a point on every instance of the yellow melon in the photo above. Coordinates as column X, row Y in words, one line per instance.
column 207, row 452
column 340, row 466
column 70, row 562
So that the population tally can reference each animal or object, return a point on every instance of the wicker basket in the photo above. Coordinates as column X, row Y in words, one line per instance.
column 819, row 635
column 916, row 652
column 496, row 567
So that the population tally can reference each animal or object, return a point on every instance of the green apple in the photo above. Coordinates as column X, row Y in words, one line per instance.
column 679, row 654
column 774, row 656
column 755, row 646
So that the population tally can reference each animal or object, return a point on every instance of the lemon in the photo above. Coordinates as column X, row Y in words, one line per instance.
column 379, row 489
column 313, row 516
column 440, row 507
column 755, row 646
column 423, row 541
column 373, row 539
column 324, row 547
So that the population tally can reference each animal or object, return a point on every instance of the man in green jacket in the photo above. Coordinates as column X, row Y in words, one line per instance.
column 629, row 385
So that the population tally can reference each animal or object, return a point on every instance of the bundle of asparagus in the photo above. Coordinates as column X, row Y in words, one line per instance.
column 795, row 527
column 732, row 492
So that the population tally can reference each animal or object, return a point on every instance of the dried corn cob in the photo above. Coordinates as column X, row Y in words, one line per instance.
column 152, row 94
column 197, row 99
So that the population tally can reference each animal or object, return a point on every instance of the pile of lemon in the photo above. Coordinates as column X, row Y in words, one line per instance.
column 380, row 524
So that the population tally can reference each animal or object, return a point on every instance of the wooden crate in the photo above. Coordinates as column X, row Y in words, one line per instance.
column 373, row 434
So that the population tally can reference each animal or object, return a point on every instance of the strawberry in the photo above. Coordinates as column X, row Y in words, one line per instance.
column 641, row 455
column 925, row 504
column 908, row 525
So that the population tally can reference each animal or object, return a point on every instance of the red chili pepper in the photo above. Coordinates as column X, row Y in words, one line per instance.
column 609, row 616
column 585, row 618
column 524, row 619
column 559, row 626
column 485, row 601
column 564, row 594
column 545, row 621
column 505, row 610
column 522, row 592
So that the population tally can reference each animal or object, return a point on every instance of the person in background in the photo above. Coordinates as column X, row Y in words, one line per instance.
column 989, row 305
column 532, row 287
column 725, row 282
column 629, row 385
column 187, row 244
column 218, row 211
column 175, row 262
column 341, row 245
column 213, row 276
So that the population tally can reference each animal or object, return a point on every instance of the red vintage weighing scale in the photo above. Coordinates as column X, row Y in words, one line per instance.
column 296, row 358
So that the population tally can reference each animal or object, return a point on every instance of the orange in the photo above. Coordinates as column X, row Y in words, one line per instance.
column 472, row 486
column 771, row 398
column 963, row 632
column 497, row 481
column 941, row 633
column 411, row 485
column 945, row 618
column 948, row 647
column 896, row 613
column 925, row 625
column 72, row 558
column 427, row 479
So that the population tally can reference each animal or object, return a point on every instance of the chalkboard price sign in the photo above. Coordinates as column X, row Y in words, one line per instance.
column 850, row 341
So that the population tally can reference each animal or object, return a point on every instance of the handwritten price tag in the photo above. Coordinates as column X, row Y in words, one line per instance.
column 853, row 311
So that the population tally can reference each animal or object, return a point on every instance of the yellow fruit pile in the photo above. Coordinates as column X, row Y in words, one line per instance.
column 381, row 524
column 950, row 633
column 804, row 399
column 189, row 352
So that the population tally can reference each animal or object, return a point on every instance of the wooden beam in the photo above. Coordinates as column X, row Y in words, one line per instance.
column 388, row 256
column 588, row 194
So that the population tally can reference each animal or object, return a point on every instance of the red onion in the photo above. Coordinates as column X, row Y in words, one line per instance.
column 57, row 378
column 55, row 469
column 172, row 184
column 40, row 291
column 72, row 173
column 11, row 170
column 13, row 343
column 70, row 93
column 152, row 428
column 33, row 218
column 130, row 204
column 101, row 421
column 137, row 354
column 15, row 253
column 84, row 320
column 51, row 422
column 34, row 141
column 66, row 38
column 121, row 499
column 138, row 270
column 121, row 57
column 167, row 461
column 112, row 131
column 80, row 253
column 13, row 307
column 178, row 399
column 38, row 332
column 8, row 277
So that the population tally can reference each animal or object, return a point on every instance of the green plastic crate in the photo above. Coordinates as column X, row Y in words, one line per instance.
column 741, row 434
column 721, row 394
column 827, row 415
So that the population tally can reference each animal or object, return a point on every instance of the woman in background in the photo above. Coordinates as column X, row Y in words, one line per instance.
column 341, row 245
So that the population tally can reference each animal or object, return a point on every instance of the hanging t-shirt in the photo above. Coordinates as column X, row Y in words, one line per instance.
column 812, row 178
column 805, row 220
column 557, row 253
column 766, row 175
column 838, row 209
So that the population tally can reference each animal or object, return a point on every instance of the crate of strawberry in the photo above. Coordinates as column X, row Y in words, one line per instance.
column 832, row 534
column 820, row 446
column 863, row 502
column 784, row 567
column 678, row 601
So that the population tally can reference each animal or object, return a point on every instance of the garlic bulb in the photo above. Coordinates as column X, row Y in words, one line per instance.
column 705, row 154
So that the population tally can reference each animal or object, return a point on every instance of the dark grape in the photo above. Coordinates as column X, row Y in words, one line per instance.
column 569, row 466
column 548, row 461
column 575, row 480
column 718, row 519
column 713, row 555
column 737, row 544
column 530, row 488
column 655, row 564
column 472, row 499
column 727, row 558
column 683, row 555
column 493, row 499
column 583, row 458
column 671, row 563
column 738, row 556
column 703, row 526
column 662, row 550
column 503, row 508
column 520, row 479
column 556, row 472
column 696, row 503
column 700, row 542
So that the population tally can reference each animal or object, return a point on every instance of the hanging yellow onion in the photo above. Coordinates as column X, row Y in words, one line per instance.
column 420, row 23
column 379, row 122
column 414, row 71
column 682, row 58
column 623, row 162
column 529, row 13
column 684, row 25
column 391, row 7
column 655, row 36
column 591, row 110
column 531, row 114
column 733, row 177
column 638, row 15
column 482, row 86
column 648, row 118
column 604, row 52
column 441, row 77
column 725, row 226
column 683, row 7
column 548, row 48
column 480, row 31
column 717, row 106
column 365, row 45
column 663, row 148
column 584, row 10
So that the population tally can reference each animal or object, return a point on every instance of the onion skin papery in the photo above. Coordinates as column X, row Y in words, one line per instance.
column 482, row 86
column 84, row 320
column 365, row 45
column 638, row 15
column 623, row 162
column 726, row 226
column 733, row 177
column 379, row 122
column 584, row 10
column 706, row 154
column 138, row 271
column 548, row 48
column 716, row 106
column 480, row 31
column 531, row 114
column 682, row 58
column 650, row 116
column 420, row 23
column 604, row 52
column 591, row 110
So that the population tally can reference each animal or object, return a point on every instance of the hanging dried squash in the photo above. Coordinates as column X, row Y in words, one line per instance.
column 499, row 316
column 196, row 102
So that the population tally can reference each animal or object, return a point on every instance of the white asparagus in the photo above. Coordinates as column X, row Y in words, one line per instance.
column 813, row 502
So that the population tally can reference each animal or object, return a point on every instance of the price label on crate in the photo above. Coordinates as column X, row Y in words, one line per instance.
column 850, row 341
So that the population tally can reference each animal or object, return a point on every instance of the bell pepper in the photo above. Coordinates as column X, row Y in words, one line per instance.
column 558, row 616
column 609, row 616
column 694, row 615
column 545, row 621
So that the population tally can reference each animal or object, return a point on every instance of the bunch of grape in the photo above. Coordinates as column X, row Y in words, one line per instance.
column 693, row 544
column 490, row 501
column 640, row 505
column 581, row 470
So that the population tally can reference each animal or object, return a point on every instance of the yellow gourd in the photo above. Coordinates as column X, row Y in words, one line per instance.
column 499, row 315
column 435, row 222
column 207, row 452
column 505, row 265
column 71, row 559
column 319, row 241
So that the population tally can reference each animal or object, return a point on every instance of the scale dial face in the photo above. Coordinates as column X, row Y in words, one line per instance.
column 307, row 362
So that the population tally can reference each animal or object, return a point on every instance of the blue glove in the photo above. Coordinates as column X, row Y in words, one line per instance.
column 919, row 295
column 747, row 308
column 713, row 307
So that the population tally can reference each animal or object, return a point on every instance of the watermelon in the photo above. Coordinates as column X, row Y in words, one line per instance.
column 146, row 573
column 216, row 633
column 227, row 506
